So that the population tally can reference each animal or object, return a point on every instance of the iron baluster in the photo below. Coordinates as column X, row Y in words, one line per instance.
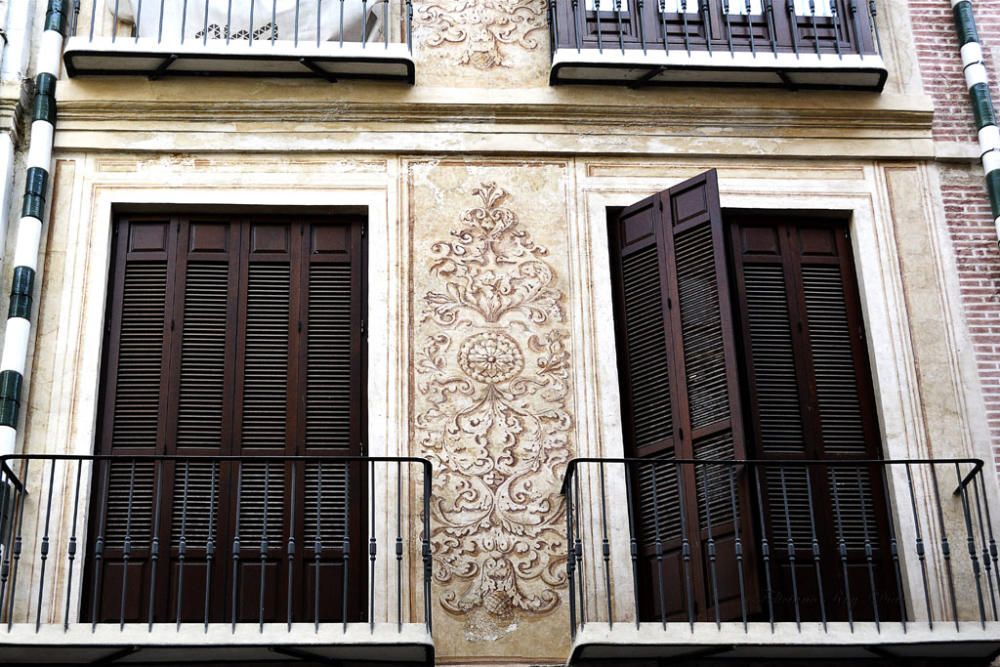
column 17, row 552
column 841, row 545
column 729, row 28
column 684, row 22
column 945, row 546
column 372, row 552
column 970, row 542
column 738, row 548
column 868, row 550
column 660, row 579
column 44, row 550
column 710, row 546
column 921, row 551
column 815, row 548
column 790, row 546
column 210, row 542
column 71, row 547
column 836, row 28
column 264, row 544
column 793, row 21
column 126, row 545
column 236, row 544
column 990, row 552
column 399, row 546
column 290, row 548
column 685, row 543
column 765, row 549
column 182, row 546
column 154, row 544
column 99, row 548
column 633, row 545
column 621, row 31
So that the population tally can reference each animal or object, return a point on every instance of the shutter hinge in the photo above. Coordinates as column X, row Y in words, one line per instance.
column 660, row 202
column 364, row 229
column 364, row 332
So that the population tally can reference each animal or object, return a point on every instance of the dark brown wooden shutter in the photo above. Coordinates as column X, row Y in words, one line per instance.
column 680, row 391
column 811, row 397
column 232, row 336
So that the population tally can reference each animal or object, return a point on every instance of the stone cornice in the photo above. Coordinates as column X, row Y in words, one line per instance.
column 393, row 118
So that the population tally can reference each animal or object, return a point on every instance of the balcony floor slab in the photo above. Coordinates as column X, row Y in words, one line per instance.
column 386, row 644
column 596, row 643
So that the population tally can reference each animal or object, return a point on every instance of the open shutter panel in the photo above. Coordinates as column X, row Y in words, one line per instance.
column 703, row 367
column 679, row 388
column 643, row 351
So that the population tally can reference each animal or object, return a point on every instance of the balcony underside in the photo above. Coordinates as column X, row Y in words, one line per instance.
column 136, row 644
column 971, row 644
column 328, row 60
column 807, row 70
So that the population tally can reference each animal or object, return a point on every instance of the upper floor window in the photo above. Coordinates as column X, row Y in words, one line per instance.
column 790, row 43
column 332, row 40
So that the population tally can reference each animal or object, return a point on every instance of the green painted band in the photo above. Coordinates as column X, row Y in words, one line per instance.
column 24, row 280
column 36, row 181
column 993, row 188
column 8, row 413
column 33, row 206
column 965, row 23
column 34, row 193
column 55, row 15
column 20, row 306
column 44, row 107
column 22, row 286
column 10, row 385
column 982, row 105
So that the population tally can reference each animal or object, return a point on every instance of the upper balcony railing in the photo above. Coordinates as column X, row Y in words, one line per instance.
column 788, row 43
column 781, row 559
column 304, row 556
column 328, row 39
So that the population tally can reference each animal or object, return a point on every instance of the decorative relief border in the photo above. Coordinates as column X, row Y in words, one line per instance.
column 492, row 385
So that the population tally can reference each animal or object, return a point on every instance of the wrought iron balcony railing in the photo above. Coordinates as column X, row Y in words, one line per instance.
column 321, row 556
column 787, row 43
column 328, row 39
column 778, row 559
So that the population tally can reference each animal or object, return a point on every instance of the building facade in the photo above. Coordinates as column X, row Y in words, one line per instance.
column 500, row 332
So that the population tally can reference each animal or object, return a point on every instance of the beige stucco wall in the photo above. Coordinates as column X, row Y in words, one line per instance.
column 482, row 145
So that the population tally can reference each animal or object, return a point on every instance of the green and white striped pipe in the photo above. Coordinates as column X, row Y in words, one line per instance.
column 982, row 104
column 29, row 229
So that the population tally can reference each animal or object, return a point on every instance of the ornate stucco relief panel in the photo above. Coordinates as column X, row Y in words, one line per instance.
column 492, row 399
column 486, row 43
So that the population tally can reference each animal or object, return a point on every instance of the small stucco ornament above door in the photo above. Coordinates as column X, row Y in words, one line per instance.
column 482, row 43
column 485, row 29
column 493, row 385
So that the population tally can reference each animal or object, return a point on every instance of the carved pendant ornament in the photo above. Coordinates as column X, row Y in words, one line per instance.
column 492, row 374
column 483, row 28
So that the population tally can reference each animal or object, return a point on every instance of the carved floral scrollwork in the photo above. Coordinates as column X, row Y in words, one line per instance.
column 482, row 27
column 492, row 374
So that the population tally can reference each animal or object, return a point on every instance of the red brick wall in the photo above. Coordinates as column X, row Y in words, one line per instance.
column 941, row 65
column 967, row 208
